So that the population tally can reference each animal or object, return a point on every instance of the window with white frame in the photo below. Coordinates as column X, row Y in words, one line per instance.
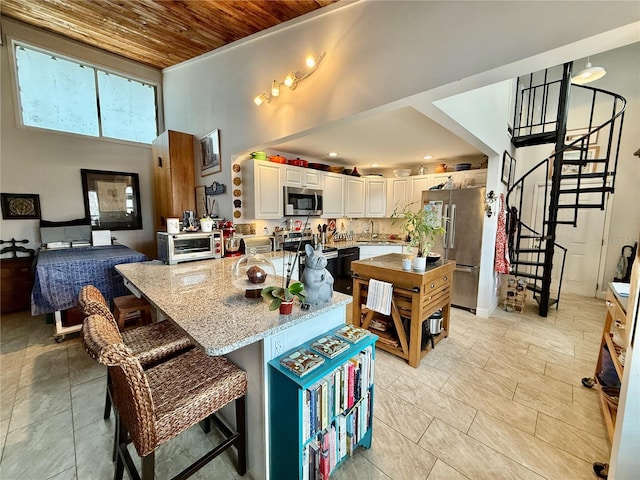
column 63, row 94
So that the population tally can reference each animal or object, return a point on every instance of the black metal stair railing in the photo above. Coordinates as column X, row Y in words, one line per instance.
column 578, row 162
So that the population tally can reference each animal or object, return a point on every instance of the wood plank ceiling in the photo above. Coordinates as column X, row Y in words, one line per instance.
column 158, row 33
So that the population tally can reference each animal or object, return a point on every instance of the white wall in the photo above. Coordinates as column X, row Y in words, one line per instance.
column 376, row 53
column 48, row 163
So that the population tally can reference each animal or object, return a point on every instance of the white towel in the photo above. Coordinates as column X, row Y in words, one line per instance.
column 379, row 298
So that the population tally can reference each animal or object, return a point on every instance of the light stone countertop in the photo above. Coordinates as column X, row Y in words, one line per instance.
column 200, row 297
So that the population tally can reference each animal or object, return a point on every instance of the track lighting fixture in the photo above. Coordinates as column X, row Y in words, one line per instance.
column 291, row 80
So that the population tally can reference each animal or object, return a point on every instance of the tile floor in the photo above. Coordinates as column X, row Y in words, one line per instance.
column 500, row 398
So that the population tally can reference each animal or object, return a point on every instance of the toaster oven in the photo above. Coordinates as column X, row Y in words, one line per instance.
column 184, row 247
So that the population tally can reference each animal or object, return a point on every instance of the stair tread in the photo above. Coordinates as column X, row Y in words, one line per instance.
column 585, row 190
column 526, row 275
column 533, row 139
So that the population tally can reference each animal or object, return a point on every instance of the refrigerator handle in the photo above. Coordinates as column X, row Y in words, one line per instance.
column 445, row 222
column 452, row 237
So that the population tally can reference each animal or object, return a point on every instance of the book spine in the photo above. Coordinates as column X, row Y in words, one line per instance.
column 312, row 412
column 325, row 405
column 306, row 416
column 351, row 397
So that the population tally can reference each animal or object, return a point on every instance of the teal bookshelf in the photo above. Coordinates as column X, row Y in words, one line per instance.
column 296, row 422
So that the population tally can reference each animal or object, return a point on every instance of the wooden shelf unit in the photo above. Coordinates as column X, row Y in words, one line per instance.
column 615, row 321
column 515, row 295
column 289, row 408
column 416, row 296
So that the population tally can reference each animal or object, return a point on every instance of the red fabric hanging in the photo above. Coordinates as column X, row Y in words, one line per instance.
column 502, row 263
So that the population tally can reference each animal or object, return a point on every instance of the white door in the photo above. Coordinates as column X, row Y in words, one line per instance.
column 584, row 243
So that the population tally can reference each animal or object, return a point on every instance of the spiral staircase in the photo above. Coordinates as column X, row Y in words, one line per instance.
column 572, row 175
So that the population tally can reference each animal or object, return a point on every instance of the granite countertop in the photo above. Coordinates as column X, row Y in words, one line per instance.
column 200, row 297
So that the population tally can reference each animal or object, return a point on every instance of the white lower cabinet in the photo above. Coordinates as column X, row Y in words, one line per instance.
column 368, row 251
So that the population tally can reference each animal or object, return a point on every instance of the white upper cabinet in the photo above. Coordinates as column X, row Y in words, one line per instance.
column 398, row 193
column 333, row 195
column 375, row 197
column 354, row 197
column 302, row 177
column 262, row 192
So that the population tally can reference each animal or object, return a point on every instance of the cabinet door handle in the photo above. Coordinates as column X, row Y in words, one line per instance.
column 160, row 162
column 433, row 285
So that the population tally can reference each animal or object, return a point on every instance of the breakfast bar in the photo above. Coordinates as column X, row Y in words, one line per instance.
column 416, row 296
column 200, row 299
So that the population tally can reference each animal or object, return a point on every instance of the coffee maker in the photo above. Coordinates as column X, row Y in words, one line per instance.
column 231, row 242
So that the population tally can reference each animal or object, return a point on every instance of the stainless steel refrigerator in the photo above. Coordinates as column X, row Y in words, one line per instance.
column 463, row 213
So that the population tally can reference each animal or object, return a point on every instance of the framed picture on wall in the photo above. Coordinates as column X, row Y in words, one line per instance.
column 20, row 206
column 112, row 199
column 210, row 161
column 506, row 168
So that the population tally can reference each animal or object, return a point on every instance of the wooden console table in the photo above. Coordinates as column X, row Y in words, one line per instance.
column 416, row 296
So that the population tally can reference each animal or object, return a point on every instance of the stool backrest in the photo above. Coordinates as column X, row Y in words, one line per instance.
column 89, row 293
column 131, row 391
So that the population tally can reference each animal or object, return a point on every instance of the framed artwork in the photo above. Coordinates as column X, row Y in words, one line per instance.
column 210, row 161
column 112, row 199
column 506, row 168
column 574, row 155
column 512, row 172
column 573, row 135
column 20, row 206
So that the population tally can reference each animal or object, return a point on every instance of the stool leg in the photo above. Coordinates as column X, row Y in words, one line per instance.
column 146, row 316
column 107, row 400
column 148, row 466
column 241, row 428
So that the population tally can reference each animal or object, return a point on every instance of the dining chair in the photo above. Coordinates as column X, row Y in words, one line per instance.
column 157, row 404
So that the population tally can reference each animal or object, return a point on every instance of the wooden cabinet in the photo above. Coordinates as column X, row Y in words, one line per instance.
column 330, row 408
column 333, row 195
column 375, row 197
column 263, row 193
column 173, row 176
column 17, row 282
column 354, row 197
column 615, row 327
column 302, row 177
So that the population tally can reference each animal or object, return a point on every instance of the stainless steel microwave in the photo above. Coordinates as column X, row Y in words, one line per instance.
column 302, row 201
column 184, row 247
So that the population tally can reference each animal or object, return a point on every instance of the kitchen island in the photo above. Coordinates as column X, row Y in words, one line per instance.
column 199, row 297
column 416, row 296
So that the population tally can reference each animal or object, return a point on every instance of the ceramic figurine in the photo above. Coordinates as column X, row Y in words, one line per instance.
column 318, row 282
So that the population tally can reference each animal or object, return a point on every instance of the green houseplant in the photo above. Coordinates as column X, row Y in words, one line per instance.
column 422, row 226
column 282, row 297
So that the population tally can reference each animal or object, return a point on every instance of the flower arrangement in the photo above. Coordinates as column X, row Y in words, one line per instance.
column 422, row 226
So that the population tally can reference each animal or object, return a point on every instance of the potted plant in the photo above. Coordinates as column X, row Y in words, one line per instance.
column 282, row 297
column 422, row 227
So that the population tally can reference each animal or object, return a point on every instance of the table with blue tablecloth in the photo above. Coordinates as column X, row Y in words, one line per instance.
column 60, row 274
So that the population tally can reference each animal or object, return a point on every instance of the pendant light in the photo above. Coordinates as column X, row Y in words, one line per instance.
column 589, row 74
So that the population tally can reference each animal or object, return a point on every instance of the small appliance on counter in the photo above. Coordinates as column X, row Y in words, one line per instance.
column 185, row 247
column 231, row 241
column 259, row 244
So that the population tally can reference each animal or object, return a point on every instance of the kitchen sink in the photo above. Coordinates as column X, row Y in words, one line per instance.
column 380, row 241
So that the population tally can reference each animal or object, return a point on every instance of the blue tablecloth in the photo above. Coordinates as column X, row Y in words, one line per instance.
column 60, row 274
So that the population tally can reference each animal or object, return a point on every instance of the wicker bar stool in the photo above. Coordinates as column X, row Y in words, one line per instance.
column 151, row 344
column 158, row 404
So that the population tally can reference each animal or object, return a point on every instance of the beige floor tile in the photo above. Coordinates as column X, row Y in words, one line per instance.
column 400, row 414
column 94, row 443
column 567, row 375
column 556, row 388
column 562, row 346
column 435, row 403
column 491, row 342
column 576, row 415
column 69, row 474
column 587, row 397
column 87, row 402
column 527, row 450
column 396, row 456
column 454, row 348
column 385, row 374
column 515, row 359
column 442, row 471
column 82, row 367
column 567, row 361
column 4, row 428
column 588, row 353
column 579, row 443
column 46, row 366
column 428, row 375
column 358, row 467
column 505, row 409
column 40, row 450
column 39, row 401
column 8, row 392
column 478, row 376
column 471, row 457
